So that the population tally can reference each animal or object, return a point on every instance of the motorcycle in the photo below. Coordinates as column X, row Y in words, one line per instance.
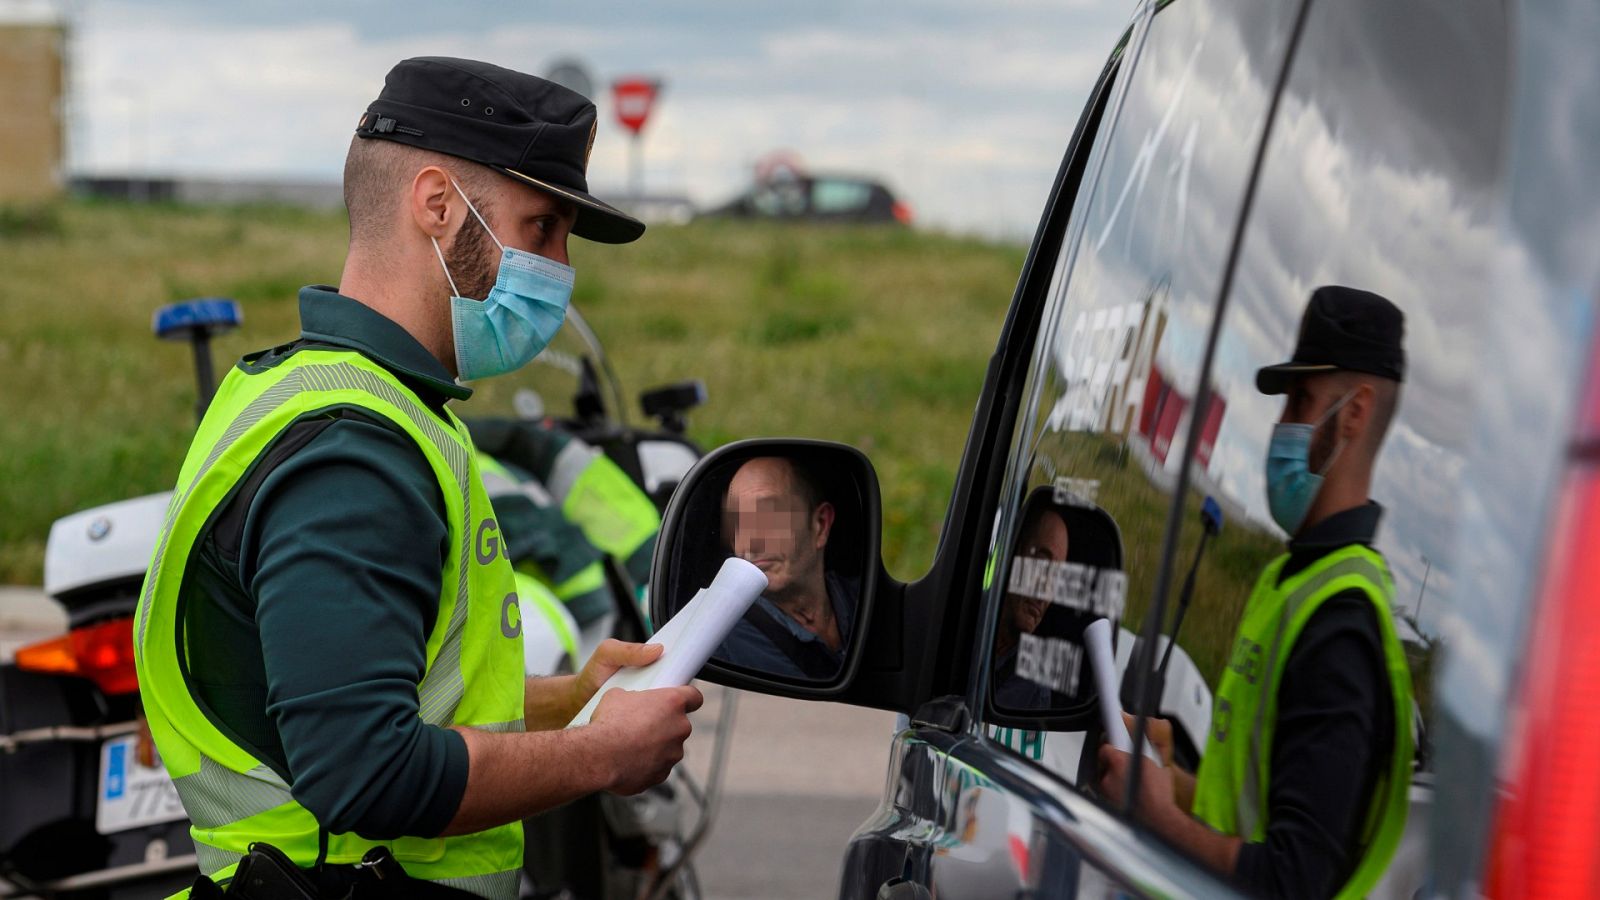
column 87, row 810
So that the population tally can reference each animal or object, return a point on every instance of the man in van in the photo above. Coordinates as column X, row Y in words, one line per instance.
column 1302, row 791
column 776, row 516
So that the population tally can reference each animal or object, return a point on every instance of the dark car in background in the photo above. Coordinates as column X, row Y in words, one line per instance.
column 1232, row 157
column 798, row 196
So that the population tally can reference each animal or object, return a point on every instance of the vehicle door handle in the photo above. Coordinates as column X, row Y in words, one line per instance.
column 898, row 888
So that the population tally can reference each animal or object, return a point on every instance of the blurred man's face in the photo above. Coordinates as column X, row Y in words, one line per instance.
column 773, row 526
column 1046, row 539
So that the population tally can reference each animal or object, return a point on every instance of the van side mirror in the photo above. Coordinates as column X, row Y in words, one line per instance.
column 808, row 514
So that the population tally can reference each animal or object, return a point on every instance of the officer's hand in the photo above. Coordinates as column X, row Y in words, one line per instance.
column 1158, row 732
column 644, row 733
column 610, row 656
column 1156, row 804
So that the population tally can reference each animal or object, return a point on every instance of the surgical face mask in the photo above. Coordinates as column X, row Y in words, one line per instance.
column 1291, row 485
column 505, row 330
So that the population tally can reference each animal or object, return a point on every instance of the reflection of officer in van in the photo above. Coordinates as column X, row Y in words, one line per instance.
column 1302, row 791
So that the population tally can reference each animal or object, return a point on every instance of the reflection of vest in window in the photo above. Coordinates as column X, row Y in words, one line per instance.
column 474, row 673
column 1231, row 786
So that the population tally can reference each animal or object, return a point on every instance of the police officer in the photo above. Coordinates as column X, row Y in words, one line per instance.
column 328, row 640
column 1302, row 791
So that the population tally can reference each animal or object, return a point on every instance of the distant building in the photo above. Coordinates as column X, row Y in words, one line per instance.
column 33, row 43
column 210, row 191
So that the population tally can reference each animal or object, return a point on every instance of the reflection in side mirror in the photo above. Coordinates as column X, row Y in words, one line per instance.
column 805, row 514
column 1065, row 572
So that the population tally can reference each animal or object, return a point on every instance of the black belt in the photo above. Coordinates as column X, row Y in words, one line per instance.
column 266, row 873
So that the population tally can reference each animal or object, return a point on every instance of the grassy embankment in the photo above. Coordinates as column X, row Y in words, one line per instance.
column 873, row 337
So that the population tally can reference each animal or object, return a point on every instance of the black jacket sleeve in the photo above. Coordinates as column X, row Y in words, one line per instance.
column 1334, row 735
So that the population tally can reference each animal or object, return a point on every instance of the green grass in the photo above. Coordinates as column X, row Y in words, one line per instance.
column 874, row 337
column 877, row 338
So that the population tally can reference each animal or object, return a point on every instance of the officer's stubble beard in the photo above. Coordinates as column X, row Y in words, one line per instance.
column 472, row 257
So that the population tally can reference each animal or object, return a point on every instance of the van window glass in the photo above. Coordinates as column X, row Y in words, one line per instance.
column 1376, row 204
column 1116, row 370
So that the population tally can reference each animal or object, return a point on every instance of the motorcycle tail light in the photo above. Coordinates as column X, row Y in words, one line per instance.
column 103, row 653
column 1546, row 833
column 901, row 212
column 54, row 655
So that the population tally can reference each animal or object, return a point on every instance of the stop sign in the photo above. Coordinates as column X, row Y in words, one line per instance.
column 633, row 98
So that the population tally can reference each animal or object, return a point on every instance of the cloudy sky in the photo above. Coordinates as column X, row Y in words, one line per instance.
column 963, row 108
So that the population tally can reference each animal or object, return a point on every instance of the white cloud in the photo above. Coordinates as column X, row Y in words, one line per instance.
column 966, row 113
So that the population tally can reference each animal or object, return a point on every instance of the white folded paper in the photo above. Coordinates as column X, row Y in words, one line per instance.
column 1103, row 661
column 690, row 636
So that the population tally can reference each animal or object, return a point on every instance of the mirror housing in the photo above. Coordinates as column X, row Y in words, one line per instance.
column 691, row 547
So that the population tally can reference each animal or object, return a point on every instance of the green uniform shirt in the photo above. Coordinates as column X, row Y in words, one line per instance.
column 320, row 583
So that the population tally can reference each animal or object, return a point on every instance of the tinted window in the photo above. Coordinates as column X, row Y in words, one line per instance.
column 1381, row 175
column 781, row 197
column 1118, row 361
column 831, row 196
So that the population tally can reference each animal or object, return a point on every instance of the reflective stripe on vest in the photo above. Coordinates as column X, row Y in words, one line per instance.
column 474, row 674
column 614, row 513
column 1235, row 772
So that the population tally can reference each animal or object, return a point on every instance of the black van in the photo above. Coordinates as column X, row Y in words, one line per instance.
column 1233, row 157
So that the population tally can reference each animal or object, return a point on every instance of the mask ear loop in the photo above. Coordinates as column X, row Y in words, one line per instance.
column 440, row 253
column 477, row 215
column 1339, row 447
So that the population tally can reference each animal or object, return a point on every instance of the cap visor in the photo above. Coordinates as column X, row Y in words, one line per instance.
column 597, row 220
column 1276, row 379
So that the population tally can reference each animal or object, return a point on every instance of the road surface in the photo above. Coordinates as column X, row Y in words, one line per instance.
column 801, row 776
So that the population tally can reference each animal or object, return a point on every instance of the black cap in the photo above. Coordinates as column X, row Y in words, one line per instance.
column 1343, row 329
column 525, row 127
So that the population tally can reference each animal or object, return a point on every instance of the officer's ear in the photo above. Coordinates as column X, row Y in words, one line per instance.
column 1356, row 416
column 432, row 203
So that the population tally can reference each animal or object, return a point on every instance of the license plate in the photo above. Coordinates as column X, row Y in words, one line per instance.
column 132, row 795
